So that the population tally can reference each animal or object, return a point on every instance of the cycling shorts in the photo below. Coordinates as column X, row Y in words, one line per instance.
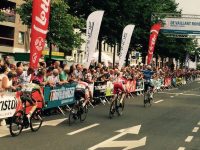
column 119, row 86
column 147, row 85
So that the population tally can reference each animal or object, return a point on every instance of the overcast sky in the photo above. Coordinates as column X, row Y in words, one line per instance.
column 189, row 6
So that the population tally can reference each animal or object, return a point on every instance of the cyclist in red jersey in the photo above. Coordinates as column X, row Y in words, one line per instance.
column 119, row 85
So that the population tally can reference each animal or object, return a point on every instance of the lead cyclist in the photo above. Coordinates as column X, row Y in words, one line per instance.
column 148, row 73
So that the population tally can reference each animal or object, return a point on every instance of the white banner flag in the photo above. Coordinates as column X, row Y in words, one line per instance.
column 8, row 104
column 93, row 26
column 126, row 39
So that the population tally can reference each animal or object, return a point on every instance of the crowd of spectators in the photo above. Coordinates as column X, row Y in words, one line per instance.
column 9, row 11
column 13, row 76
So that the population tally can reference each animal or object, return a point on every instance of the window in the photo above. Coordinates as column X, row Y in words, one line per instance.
column 21, row 38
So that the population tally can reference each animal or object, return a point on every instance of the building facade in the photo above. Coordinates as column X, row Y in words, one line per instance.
column 14, row 36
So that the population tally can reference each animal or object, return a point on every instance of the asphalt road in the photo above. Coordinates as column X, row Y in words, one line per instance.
column 172, row 123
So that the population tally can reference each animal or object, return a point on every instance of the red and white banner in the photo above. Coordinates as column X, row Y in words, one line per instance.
column 152, row 41
column 39, row 29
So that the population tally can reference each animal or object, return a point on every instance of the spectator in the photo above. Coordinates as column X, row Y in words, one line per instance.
column 40, row 77
column 54, row 78
column 19, row 64
column 26, row 76
column 5, row 82
column 78, row 72
column 64, row 74
column 43, row 64
column 57, row 65
column 7, row 61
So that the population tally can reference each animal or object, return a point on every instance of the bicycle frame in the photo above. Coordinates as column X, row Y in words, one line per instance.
column 28, row 107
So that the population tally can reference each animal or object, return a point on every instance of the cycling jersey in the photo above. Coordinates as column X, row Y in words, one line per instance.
column 147, row 74
column 147, row 77
column 81, row 89
column 119, row 85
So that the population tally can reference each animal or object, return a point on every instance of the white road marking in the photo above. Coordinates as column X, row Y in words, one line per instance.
column 159, row 101
column 172, row 96
column 83, row 129
column 126, row 144
column 181, row 148
column 4, row 130
column 180, row 94
column 189, row 139
column 191, row 94
column 170, row 93
column 53, row 122
column 195, row 129
column 199, row 123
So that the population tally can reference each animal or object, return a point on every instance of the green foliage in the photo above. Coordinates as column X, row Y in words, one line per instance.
column 198, row 67
column 120, row 13
column 61, row 26
column 2, row 17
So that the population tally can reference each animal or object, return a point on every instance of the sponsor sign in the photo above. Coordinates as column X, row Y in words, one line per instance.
column 152, row 40
column 181, row 25
column 8, row 104
column 92, row 33
column 59, row 95
column 126, row 39
column 39, row 29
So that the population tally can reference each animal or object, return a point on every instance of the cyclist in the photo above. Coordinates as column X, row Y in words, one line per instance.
column 119, row 84
column 148, row 73
column 30, row 87
column 83, row 91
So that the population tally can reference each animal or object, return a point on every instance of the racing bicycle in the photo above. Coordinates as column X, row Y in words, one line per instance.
column 19, row 121
column 78, row 111
column 116, row 106
column 148, row 99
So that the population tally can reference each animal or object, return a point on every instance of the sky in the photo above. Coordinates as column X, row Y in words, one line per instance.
column 189, row 6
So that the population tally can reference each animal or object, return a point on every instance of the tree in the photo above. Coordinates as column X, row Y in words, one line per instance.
column 62, row 25
column 120, row 13
column 2, row 17
column 113, row 22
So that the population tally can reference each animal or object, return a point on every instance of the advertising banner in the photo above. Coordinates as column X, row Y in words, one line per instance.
column 181, row 25
column 8, row 104
column 152, row 40
column 59, row 95
column 39, row 29
column 92, row 32
column 126, row 39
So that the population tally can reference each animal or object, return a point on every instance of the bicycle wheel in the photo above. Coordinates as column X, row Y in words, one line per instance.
column 119, row 106
column 16, row 123
column 36, row 120
column 72, row 116
column 83, row 112
column 112, row 109
column 145, row 99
